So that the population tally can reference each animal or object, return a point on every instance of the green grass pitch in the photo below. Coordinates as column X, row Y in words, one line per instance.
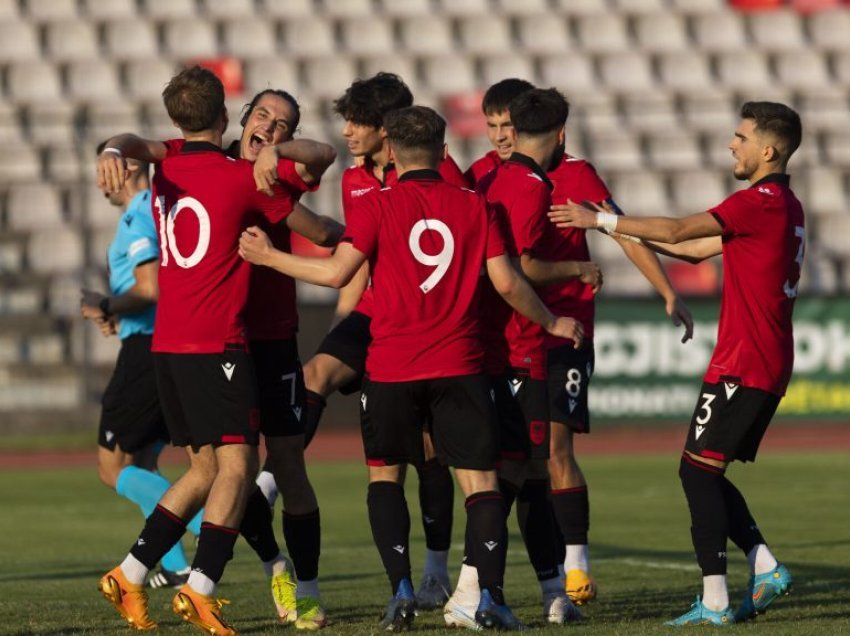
column 60, row 530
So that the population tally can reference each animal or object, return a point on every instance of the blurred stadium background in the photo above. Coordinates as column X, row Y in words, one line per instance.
column 655, row 87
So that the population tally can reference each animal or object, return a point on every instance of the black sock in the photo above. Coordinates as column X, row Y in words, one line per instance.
column 314, row 406
column 303, row 536
column 436, row 498
column 742, row 527
column 703, row 488
column 162, row 530
column 485, row 519
column 257, row 527
column 390, row 521
column 537, row 525
column 215, row 549
column 509, row 493
column 572, row 512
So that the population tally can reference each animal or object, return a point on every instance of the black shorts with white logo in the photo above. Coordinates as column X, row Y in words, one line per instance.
column 523, row 411
column 131, row 417
column 209, row 398
column 569, row 371
column 348, row 342
column 280, row 383
column 459, row 411
column 729, row 421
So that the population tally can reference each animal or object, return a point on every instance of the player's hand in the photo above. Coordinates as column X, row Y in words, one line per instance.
column 569, row 329
column 572, row 214
column 590, row 274
column 265, row 169
column 107, row 326
column 90, row 304
column 255, row 246
column 680, row 315
column 112, row 172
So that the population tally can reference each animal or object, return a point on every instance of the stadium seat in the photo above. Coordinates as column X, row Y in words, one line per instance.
column 92, row 79
column 34, row 206
column 641, row 193
column 9, row 9
column 607, row 252
column 71, row 40
column 328, row 77
column 479, row 8
column 368, row 36
column 12, row 250
column 777, row 30
column 826, row 190
column 19, row 163
column 615, row 151
column 109, row 9
column 697, row 191
column 249, row 38
column 426, row 35
column 833, row 230
column 697, row 6
column 131, row 39
column 46, row 349
column 309, row 37
column 346, row 8
column 49, row 10
column 744, row 70
column 825, row 108
column 639, row 6
column 169, row 9
column 837, row 149
column 841, row 68
column 579, row 7
column 228, row 9
column 543, row 34
column 33, row 81
column 651, row 110
column 187, row 39
column 685, row 70
column 674, row 150
column 495, row 68
column 147, row 78
column 712, row 110
column 802, row 70
column 522, row 7
column 105, row 118
column 408, row 8
column 270, row 72
column 628, row 71
column 18, row 41
column 819, row 275
column 661, row 32
column 720, row 31
column 11, row 130
column 571, row 73
column 402, row 65
column 52, row 122
column 485, row 35
column 829, row 30
column 602, row 33
column 62, row 163
column 448, row 74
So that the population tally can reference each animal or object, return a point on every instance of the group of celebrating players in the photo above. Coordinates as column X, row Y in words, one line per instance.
column 465, row 320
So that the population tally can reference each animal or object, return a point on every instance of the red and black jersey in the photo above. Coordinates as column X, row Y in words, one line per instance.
column 521, row 192
column 358, row 181
column 482, row 167
column 763, row 245
column 426, row 241
column 203, row 200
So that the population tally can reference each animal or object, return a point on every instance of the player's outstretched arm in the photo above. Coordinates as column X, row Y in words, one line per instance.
column 693, row 251
column 255, row 247
column 540, row 272
column 311, row 159
column 112, row 162
column 518, row 294
column 317, row 228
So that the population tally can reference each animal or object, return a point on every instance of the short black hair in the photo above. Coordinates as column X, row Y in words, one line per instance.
column 539, row 111
column 778, row 120
column 498, row 97
column 366, row 102
column 249, row 107
column 416, row 133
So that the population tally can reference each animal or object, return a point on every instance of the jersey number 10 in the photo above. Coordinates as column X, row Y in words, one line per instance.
column 166, row 231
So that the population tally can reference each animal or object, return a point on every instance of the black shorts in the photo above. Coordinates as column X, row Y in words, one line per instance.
column 209, row 398
column 569, row 372
column 131, row 418
column 730, row 421
column 348, row 342
column 280, row 385
column 459, row 411
column 523, row 412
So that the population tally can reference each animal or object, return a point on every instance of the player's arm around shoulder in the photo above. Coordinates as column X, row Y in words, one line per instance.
column 311, row 158
column 111, row 165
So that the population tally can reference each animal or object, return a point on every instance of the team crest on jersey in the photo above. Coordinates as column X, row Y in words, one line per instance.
column 537, row 432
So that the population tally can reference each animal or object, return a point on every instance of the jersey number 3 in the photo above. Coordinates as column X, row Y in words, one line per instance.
column 800, row 233
column 441, row 260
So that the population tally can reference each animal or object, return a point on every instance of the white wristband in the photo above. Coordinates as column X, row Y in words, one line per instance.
column 114, row 150
column 606, row 221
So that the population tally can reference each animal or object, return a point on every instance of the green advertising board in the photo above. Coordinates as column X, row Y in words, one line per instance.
column 644, row 371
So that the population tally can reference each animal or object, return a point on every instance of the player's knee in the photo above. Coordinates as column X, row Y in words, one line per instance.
column 108, row 474
column 318, row 374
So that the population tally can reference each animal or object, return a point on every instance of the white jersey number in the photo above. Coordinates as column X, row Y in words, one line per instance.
column 800, row 233
column 166, row 231
column 441, row 260
column 708, row 398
